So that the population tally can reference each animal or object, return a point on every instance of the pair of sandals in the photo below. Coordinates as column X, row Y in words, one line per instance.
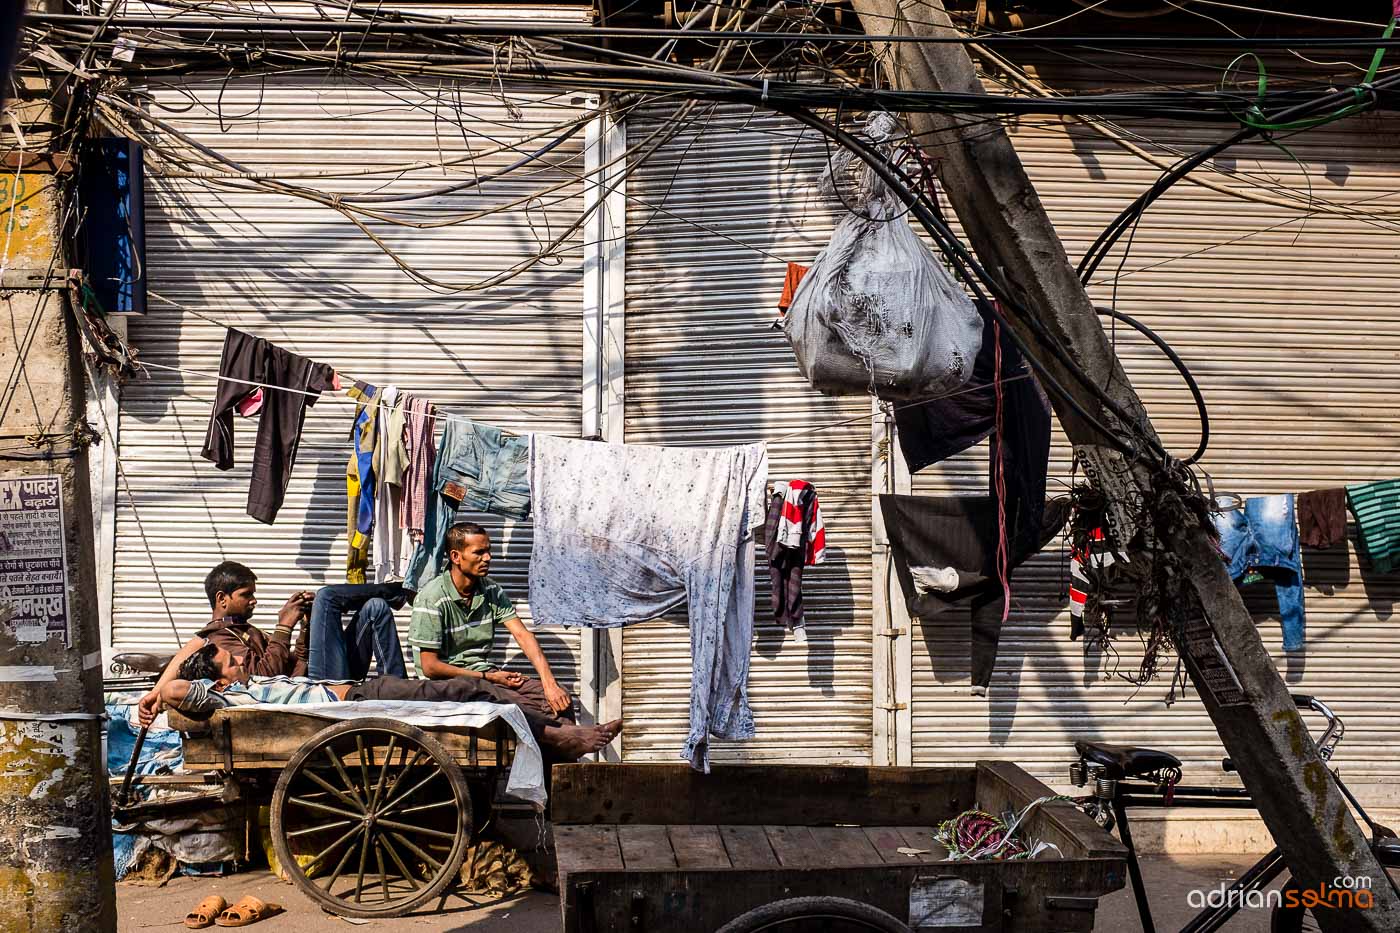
column 215, row 910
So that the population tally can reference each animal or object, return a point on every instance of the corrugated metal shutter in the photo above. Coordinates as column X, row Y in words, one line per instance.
column 305, row 278
column 712, row 218
column 1289, row 324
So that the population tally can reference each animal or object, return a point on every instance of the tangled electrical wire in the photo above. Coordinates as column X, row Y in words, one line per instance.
column 96, row 57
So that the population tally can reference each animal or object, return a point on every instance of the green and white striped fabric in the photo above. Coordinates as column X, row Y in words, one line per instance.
column 1377, row 510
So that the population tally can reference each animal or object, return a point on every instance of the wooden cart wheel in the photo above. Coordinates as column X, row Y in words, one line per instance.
column 371, row 818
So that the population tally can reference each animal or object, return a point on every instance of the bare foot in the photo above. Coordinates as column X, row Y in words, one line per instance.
column 573, row 742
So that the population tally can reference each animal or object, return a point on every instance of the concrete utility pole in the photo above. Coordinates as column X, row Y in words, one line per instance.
column 983, row 178
column 55, row 824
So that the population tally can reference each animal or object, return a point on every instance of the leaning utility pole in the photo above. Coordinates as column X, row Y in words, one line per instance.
column 55, row 825
column 984, row 180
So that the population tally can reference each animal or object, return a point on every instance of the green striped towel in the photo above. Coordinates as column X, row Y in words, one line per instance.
column 1377, row 510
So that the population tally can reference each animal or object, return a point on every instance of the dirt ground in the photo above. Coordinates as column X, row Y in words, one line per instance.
column 142, row 908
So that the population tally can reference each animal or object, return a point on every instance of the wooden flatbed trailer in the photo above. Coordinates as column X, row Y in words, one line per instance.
column 645, row 847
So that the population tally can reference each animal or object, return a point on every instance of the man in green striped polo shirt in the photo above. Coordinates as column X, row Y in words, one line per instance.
column 454, row 624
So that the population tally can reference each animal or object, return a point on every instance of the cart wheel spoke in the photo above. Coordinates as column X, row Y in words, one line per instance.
column 383, row 771
column 398, row 861
column 426, row 806
column 352, row 802
column 321, row 856
column 360, row 875
column 315, row 863
column 324, row 808
column 339, row 869
column 404, row 771
column 408, row 844
column 366, row 762
column 340, row 769
column 383, row 875
column 409, row 828
column 393, row 804
column 336, row 824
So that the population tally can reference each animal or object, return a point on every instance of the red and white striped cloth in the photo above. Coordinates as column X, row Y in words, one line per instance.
column 790, row 525
column 1095, row 556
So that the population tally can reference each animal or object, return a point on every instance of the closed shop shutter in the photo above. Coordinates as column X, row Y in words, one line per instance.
column 1289, row 324
column 711, row 220
column 305, row 278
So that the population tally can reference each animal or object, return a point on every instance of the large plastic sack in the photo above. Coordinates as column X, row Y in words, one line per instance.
column 876, row 312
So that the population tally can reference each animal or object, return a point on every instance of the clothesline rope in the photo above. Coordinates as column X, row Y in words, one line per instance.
column 441, row 416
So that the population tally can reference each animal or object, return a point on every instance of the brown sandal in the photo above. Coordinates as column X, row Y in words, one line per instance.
column 204, row 912
column 248, row 910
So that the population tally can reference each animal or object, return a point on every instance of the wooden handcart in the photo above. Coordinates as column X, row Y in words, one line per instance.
column 369, row 817
column 660, row 847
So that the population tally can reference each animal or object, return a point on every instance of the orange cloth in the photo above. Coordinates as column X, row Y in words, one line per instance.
column 795, row 272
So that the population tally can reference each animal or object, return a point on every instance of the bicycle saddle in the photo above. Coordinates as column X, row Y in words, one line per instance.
column 141, row 662
column 1387, row 851
column 1120, row 761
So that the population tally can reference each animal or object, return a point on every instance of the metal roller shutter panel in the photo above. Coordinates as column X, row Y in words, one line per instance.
column 1289, row 324
column 305, row 278
column 712, row 219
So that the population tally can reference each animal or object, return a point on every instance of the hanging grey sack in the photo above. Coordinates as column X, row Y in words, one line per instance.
column 876, row 312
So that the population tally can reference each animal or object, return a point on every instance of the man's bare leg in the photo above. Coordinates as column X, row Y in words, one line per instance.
column 573, row 742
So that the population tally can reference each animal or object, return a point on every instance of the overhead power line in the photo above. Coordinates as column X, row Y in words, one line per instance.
column 387, row 25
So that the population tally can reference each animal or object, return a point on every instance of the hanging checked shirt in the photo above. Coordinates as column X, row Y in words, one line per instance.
column 359, row 481
column 626, row 534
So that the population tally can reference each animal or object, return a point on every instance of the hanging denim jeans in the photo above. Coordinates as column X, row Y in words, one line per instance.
column 479, row 468
column 1263, row 536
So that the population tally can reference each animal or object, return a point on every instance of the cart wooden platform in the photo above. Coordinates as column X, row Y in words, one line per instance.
column 370, row 817
column 662, row 848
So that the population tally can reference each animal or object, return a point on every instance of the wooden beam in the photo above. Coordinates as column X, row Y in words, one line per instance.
column 43, row 163
column 1013, row 237
column 758, row 795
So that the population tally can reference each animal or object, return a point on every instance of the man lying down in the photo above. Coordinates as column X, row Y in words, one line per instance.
column 211, row 678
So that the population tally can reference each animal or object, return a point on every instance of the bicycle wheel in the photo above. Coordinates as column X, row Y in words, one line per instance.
column 815, row 915
column 1292, row 920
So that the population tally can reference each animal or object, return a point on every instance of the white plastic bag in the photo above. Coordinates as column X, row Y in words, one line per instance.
column 877, row 312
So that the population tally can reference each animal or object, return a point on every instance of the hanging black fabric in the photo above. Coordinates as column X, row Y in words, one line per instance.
column 248, row 359
column 945, row 553
column 934, row 431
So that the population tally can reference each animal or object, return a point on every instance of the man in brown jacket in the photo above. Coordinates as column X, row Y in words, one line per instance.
column 232, row 591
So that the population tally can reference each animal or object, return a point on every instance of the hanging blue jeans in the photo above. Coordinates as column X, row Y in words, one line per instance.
column 341, row 651
column 479, row 468
column 1264, row 536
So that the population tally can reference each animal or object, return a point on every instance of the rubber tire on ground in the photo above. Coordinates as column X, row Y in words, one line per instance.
column 409, row 736
column 1291, row 920
column 814, row 908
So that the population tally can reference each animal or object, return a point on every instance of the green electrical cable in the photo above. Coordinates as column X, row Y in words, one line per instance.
column 1251, row 118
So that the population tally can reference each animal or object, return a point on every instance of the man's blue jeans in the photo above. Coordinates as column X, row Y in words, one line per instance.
column 1264, row 536
column 341, row 651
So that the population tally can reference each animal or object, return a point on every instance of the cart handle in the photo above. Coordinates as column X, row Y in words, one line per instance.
column 125, row 793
